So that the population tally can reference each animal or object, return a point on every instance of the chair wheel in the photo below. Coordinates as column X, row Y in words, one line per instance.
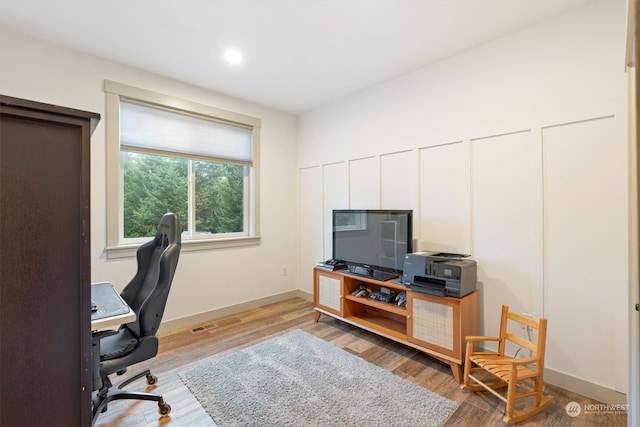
column 151, row 379
column 164, row 408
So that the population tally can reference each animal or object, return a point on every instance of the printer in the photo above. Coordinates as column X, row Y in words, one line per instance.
column 440, row 273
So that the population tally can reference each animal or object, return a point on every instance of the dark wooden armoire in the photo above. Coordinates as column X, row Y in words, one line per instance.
column 45, row 268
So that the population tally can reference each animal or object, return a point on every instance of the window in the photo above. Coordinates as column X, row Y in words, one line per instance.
column 165, row 154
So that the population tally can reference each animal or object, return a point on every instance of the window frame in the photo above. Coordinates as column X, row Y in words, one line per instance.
column 116, row 247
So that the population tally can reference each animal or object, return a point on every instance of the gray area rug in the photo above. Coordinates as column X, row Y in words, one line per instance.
column 297, row 379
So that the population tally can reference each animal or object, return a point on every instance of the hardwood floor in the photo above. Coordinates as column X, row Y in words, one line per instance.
column 180, row 348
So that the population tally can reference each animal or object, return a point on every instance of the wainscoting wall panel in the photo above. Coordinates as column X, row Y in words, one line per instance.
column 445, row 195
column 336, row 177
column 585, row 248
column 398, row 184
column 364, row 183
column 310, row 248
column 507, row 223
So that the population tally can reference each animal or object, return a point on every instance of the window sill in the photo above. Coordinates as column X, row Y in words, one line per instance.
column 129, row 251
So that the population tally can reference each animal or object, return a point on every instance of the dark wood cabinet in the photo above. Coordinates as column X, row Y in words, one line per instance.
column 45, row 294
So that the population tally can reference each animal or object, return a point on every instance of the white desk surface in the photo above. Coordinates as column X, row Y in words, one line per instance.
column 102, row 319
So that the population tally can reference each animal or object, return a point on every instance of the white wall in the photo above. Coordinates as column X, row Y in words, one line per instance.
column 206, row 280
column 515, row 151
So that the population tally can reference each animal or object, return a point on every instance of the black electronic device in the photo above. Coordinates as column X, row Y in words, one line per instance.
column 383, row 295
column 373, row 242
column 333, row 264
column 440, row 273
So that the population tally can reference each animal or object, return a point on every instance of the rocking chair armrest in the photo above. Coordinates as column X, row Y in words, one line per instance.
column 525, row 360
column 476, row 338
column 513, row 362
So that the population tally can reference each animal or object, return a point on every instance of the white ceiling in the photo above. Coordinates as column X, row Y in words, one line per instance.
column 299, row 54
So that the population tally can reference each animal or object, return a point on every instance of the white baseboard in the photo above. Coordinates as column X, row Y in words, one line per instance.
column 184, row 322
column 585, row 388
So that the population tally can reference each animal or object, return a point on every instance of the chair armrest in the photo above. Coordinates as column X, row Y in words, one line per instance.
column 475, row 338
column 509, row 360
column 525, row 360
column 102, row 334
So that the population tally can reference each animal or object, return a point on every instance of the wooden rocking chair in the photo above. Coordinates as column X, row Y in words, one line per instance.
column 509, row 371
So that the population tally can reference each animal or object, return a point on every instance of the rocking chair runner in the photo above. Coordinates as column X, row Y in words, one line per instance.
column 508, row 371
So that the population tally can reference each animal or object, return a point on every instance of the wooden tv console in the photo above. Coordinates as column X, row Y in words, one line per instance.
column 432, row 324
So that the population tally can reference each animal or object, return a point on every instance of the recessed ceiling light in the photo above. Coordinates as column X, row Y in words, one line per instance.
column 233, row 56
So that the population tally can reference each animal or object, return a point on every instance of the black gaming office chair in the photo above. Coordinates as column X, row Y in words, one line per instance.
column 135, row 342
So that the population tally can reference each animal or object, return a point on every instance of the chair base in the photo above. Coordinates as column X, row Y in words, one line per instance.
column 109, row 393
column 528, row 412
column 513, row 417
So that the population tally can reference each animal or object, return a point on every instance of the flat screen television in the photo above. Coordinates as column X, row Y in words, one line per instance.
column 373, row 242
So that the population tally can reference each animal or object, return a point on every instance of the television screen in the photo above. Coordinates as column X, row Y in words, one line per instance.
column 374, row 240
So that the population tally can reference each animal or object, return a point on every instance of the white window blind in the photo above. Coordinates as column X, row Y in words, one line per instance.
column 155, row 129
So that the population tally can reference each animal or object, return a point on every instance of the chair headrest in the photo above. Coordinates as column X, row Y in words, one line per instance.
column 169, row 230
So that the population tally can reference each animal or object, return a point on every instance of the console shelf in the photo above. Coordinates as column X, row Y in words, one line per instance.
column 385, row 306
column 380, row 325
column 435, row 325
